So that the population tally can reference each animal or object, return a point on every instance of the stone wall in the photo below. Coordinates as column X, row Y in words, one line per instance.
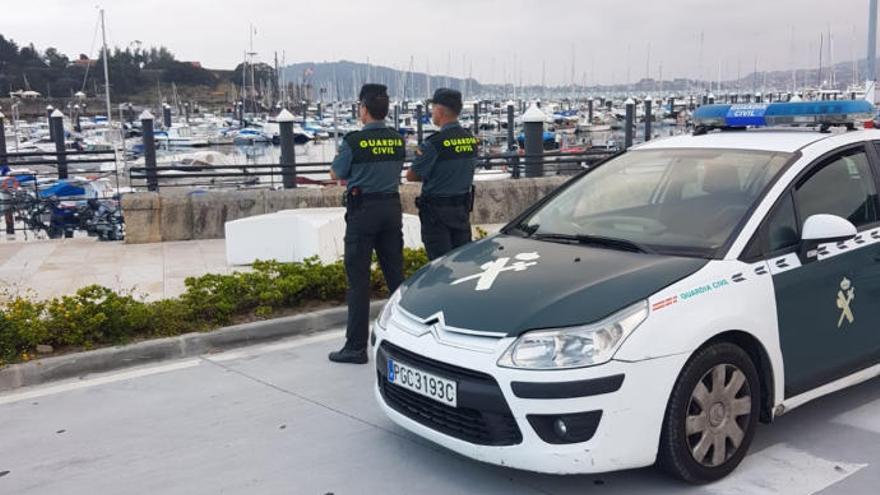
column 176, row 215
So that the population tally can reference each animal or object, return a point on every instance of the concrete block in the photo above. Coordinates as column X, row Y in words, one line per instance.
column 211, row 210
column 202, row 214
column 295, row 235
column 176, row 217
column 142, row 212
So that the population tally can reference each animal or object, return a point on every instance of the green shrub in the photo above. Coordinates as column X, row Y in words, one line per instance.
column 95, row 315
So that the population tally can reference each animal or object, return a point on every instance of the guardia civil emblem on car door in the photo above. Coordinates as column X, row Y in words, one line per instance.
column 492, row 269
column 845, row 297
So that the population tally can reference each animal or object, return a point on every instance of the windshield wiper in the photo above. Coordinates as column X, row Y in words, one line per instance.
column 620, row 244
column 521, row 229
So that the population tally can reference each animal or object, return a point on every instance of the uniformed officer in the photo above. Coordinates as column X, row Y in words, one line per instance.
column 371, row 161
column 445, row 165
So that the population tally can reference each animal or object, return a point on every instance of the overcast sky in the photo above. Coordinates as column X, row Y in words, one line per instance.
column 499, row 40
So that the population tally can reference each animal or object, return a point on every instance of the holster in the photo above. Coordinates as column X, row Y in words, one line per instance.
column 353, row 198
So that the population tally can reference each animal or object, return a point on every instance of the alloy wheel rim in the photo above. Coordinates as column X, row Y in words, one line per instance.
column 718, row 415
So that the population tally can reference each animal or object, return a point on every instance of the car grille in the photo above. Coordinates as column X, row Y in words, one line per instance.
column 482, row 417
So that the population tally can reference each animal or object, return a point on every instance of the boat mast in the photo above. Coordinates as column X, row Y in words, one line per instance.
column 107, row 101
column 106, row 71
column 244, row 65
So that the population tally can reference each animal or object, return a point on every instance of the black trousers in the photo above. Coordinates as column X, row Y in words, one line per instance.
column 444, row 228
column 373, row 225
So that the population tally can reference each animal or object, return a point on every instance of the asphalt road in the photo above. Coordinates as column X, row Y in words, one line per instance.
column 280, row 419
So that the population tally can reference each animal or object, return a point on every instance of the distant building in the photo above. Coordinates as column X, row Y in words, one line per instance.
column 197, row 65
column 84, row 61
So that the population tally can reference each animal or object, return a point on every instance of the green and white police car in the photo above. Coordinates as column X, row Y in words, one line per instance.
column 655, row 308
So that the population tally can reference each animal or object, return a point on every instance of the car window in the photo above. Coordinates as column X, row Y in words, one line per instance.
column 676, row 201
column 843, row 186
column 782, row 227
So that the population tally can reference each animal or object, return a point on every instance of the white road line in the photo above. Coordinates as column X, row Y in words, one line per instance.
column 281, row 346
column 783, row 470
column 866, row 417
column 33, row 393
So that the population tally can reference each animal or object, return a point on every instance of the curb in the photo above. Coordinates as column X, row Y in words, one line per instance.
column 182, row 346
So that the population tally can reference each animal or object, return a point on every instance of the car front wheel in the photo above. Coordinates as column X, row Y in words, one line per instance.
column 711, row 416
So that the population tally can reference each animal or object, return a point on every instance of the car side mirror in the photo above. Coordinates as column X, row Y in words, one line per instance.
column 823, row 229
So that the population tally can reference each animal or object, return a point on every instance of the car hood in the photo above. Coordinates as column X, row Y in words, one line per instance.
column 507, row 284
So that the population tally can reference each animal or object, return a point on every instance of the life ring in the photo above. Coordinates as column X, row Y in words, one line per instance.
column 10, row 183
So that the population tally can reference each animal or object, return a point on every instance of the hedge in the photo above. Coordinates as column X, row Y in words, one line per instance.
column 97, row 316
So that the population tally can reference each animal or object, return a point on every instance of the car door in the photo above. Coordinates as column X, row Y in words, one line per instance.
column 828, row 302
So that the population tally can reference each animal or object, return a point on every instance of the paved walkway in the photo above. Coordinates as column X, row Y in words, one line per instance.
column 58, row 267
column 280, row 419
column 49, row 268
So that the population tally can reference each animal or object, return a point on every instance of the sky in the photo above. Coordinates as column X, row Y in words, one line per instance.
column 512, row 41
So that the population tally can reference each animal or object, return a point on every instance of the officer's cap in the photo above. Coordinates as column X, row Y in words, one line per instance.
column 449, row 98
column 373, row 91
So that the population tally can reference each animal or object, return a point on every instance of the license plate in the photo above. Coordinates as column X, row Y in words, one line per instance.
column 431, row 386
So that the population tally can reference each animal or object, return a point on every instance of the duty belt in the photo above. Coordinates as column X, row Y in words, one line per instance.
column 459, row 200
column 355, row 198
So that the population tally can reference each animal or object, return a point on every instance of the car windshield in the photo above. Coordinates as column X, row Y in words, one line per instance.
column 673, row 201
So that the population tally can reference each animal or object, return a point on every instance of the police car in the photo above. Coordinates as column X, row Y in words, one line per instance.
column 655, row 308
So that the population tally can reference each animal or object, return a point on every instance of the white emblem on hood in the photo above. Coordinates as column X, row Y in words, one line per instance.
column 492, row 269
column 845, row 297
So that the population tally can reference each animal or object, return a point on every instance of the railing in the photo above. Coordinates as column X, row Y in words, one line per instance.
column 14, row 159
column 26, row 207
column 154, row 178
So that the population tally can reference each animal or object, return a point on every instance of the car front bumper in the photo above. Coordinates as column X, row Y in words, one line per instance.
column 626, row 436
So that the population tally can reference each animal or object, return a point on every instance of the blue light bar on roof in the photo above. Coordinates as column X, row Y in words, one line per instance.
column 832, row 112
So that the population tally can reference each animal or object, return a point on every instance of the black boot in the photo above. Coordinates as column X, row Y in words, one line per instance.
column 349, row 356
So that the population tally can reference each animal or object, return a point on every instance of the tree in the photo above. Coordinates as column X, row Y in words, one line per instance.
column 8, row 53
column 132, row 70
column 188, row 74
column 29, row 56
column 56, row 60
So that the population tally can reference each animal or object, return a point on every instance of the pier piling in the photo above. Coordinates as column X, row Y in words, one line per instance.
column 2, row 141
column 420, row 132
column 77, row 126
column 49, row 110
column 288, row 153
column 648, row 118
column 629, row 123
column 511, row 125
column 533, row 130
column 56, row 125
column 8, row 215
column 166, row 116
column 476, row 119
column 513, row 161
column 149, row 139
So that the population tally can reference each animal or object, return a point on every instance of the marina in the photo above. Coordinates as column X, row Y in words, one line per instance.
column 427, row 247
column 211, row 151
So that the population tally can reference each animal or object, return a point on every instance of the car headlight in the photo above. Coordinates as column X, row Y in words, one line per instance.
column 390, row 308
column 574, row 347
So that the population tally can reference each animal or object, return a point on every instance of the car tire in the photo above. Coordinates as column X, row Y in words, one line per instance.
column 707, row 429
